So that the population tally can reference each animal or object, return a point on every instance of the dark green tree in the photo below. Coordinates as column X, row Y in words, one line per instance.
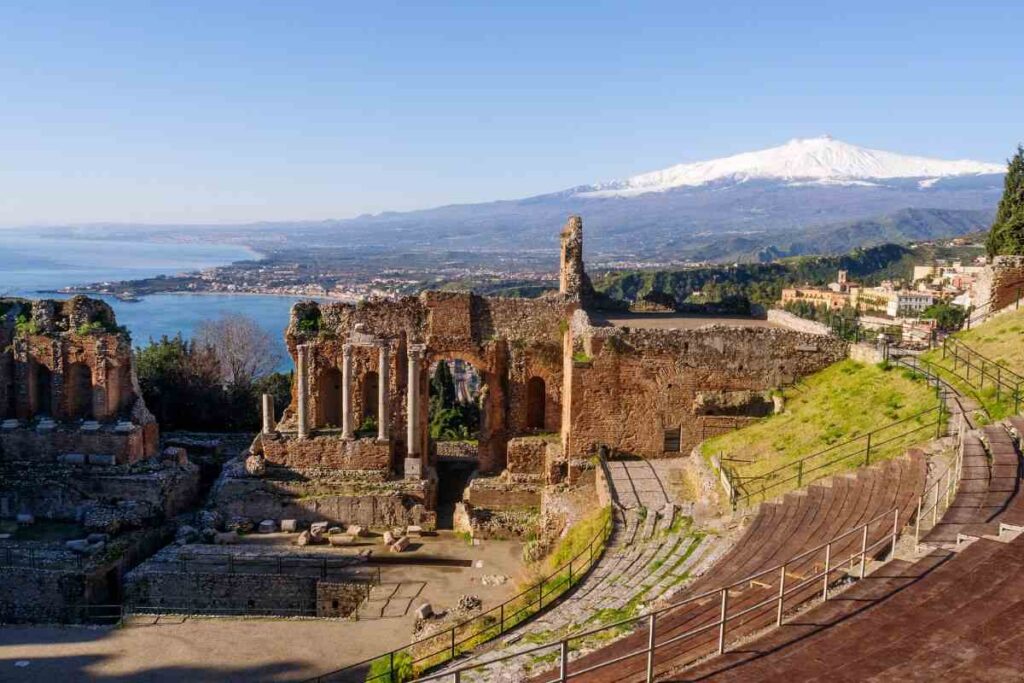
column 442, row 386
column 1007, row 233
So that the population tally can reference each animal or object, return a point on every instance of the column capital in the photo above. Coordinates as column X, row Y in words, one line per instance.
column 346, row 349
column 417, row 351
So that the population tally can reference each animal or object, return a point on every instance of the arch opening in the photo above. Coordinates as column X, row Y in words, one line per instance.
column 79, row 392
column 536, row 396
column 329, row 399
column 369, row 406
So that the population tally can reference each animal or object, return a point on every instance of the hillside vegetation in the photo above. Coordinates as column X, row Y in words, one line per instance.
column 842, row 402
column 1000, row 340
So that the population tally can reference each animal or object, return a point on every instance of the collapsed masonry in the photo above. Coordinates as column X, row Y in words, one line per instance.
column 557, row 385
column 79, row 452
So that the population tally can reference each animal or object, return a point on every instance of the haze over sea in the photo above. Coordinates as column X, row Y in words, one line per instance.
column 33, row 264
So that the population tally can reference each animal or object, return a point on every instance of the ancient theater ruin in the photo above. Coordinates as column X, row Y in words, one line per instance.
column 82, row 480
column 560, row 378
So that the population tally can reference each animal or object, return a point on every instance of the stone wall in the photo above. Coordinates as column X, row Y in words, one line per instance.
column 40, row 595
column 281, row 594
column 635, row 385
column 1007, row 281
column 326, row 451
column 795, row 322
column 311, row 496
column 337, row 600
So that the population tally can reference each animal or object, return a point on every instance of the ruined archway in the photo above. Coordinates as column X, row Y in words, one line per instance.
column 536, row 397
column 329, row 398
column 78, row 389
column 456, row 406
column 43, row 390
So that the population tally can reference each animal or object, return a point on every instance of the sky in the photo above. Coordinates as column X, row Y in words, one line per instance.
column 221, row 112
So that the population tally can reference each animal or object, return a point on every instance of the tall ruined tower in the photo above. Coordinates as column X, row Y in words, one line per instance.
column 573, row 282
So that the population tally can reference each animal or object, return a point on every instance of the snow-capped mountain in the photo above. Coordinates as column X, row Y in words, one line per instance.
column 815, row 195
column 821, row 160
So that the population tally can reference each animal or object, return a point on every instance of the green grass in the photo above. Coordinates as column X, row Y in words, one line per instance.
column 842, row 402
column 1000, row 340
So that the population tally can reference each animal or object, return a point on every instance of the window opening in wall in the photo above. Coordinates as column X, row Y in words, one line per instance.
column 673, row 439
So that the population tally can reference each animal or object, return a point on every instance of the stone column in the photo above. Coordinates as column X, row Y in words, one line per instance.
column 413, row 461
column 301, row 372
column 268, row 414
column 346, row 391
column 413, row 403
column 382, row 393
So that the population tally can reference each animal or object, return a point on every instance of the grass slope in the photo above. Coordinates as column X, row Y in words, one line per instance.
column 1001, row 340
column 843, row 401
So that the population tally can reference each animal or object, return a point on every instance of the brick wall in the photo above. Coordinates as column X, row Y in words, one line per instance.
column 639, row 383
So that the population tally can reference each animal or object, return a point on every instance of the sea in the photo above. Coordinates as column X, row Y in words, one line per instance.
column 34, row 266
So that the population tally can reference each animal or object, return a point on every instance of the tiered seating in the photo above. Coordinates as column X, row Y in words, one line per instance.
column 988, row 483
column 780, row 531
column 953, row 615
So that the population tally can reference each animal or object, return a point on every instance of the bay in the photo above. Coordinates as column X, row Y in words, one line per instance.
column 30, row 265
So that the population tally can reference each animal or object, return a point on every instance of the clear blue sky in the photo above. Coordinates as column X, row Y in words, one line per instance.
column 237, row 111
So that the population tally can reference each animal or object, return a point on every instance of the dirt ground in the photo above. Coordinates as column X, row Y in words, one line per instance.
column 176, row 649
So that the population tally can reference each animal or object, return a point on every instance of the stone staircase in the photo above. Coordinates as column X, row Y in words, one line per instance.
column 651, row 555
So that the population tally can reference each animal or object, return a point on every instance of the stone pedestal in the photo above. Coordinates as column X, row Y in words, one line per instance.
column 413, row 468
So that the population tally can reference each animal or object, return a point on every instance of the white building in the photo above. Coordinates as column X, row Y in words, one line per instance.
column 905, row 302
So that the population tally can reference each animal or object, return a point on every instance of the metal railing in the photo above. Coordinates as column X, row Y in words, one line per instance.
column 464, row 636
column 973, row 369
column 815, row 572
column 944, row 487
column 810, row 468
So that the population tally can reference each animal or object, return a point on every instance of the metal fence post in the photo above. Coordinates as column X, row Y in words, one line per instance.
column 917, row 525
column 563, row 660
column 863, row 549
column 895, row 531
column 391, row 667
column 867, row 452
column 650, row 647
column 453, row 642
column 782, row 595
column 721, row 625
column 828, row 568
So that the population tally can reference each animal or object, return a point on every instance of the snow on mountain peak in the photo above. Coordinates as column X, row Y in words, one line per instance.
column 819, row 160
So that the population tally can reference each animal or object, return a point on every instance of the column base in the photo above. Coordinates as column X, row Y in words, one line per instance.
column 413, row 468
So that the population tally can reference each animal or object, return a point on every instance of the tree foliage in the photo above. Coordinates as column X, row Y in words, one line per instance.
column 183, row 383
column 449, row 418
column 1007, row 233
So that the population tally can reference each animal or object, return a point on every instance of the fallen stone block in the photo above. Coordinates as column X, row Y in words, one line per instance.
column 389, row 538
column 90, row 426
column 267, row 526
column 355, row 530
column 400, row 545
column 341, row 539
column 8, row 425
column 425, row 611
column 102, row 538
column 335, row 530
column 72, row 458
column 414, row 531
column 318, row 528
column 79, row 545
column 289, row 525
column 305, row 538
column 25, row 518
column 104, row 459
column 225, row 537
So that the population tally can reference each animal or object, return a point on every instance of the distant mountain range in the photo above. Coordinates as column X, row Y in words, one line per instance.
column 816, row 195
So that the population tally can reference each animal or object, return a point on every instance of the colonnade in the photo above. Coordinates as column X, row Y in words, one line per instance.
column 416, row 354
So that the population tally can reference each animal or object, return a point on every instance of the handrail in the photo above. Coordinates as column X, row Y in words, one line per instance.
column 542, row 589
column 955, row 347
column 778, row 601
column 771, row 481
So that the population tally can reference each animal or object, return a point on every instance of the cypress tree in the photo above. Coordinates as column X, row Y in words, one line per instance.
column 1007, row 233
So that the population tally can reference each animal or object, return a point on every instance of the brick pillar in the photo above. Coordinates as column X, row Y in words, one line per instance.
column 268, row 414
column 346, row 392
column 302, row 380
column 382, row 393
